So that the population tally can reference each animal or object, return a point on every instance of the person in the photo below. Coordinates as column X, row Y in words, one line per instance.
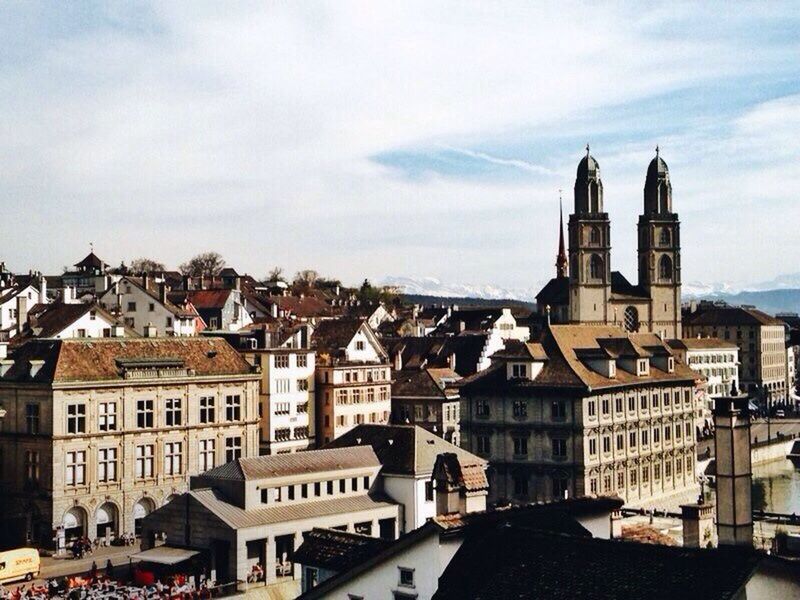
column 93, row 571
column 109, row 569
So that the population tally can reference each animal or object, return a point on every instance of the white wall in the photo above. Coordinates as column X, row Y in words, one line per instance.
column 8, row 309
column 93, row 327
column 369, row 352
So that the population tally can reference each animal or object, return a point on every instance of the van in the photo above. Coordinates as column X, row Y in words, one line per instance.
column 22, row 563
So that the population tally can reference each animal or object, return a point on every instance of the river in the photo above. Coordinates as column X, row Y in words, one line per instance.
column 776, row 487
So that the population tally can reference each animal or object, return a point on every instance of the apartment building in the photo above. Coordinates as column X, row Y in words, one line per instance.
column 353, row 377
column 99, row 432
column 588, row 410
column 762, row 346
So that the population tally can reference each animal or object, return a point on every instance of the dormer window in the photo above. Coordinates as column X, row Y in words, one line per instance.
column 641, row 366
column 671, row 364
column 519, row 370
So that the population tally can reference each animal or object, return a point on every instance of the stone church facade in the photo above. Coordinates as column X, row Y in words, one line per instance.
column 586, row 290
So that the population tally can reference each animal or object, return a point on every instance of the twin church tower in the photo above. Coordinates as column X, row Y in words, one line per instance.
column 586, row 290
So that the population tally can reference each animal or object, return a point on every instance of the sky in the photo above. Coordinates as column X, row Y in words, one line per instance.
column 366, row 139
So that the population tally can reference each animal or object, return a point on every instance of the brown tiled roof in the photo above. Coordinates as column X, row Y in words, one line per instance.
column 337, row 550
column 285, row 465
column 201, row 299
column 706, row 343
column 471, row 477
column 332, row 336
column 729, row 316
column 402, row 449
column 421, row 383
column 238, row 518
column 564, row 369
column 305, row 307
column 522, row 351
column 72, row 360
column 48, row 320
column 435, row 351
column 646, row 534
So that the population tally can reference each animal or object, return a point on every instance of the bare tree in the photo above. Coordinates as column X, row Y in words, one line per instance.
column 276, row 274
column 207, row 264
column 146, row 265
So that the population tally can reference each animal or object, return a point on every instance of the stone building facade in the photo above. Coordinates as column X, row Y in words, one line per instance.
column 590, row 410
column 98, row 433
column 586, row 290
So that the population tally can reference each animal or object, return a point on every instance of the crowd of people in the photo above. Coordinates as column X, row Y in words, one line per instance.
column 101, row 587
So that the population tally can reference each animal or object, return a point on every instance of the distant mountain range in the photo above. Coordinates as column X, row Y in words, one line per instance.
column 781, row 294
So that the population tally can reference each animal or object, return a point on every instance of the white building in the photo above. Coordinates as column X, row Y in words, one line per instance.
column 408, row 454
column 74, row 320
column 14, row 299
column 143, row 303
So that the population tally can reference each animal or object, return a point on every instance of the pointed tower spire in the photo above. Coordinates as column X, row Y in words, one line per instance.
column 561, row 258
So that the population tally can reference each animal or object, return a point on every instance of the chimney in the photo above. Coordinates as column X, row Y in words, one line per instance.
column 237, row 283
column 43, row 289
column 698, row 524
column 273, row 310
column 734, row 472
column 451, row 360
column 145, row 280
column 162, row 292
column 150, row 331
column 3, row 350
column 187, row 282
column 398, row 361
column 22, row 312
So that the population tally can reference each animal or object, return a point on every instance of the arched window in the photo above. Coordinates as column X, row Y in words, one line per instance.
column 665, row 237
column 631, row 319
column 665, row 268
column 663, row 198
column 596, row 270
column 594, row 236
column 593, row 201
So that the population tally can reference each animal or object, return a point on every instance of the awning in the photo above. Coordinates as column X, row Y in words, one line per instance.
column 165, row 555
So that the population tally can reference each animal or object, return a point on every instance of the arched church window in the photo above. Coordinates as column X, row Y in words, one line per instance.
column 665, row 268
column 665, row 237
column 596, row 270
column 594, row 236
column 631, row 319
column 593, row 201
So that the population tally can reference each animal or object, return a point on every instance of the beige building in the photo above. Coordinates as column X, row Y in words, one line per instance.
column 586, row 290
column 761, row 340
column 98, row 433
column 254, row 511
column 353, row 377
column 589, row 410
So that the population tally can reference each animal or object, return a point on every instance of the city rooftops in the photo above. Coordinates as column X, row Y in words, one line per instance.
column 704, row 343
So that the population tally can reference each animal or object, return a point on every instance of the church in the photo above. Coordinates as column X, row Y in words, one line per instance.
column 586, row 291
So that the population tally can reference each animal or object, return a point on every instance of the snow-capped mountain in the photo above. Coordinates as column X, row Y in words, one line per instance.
column 430, row 286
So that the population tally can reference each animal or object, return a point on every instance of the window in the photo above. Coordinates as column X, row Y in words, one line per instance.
column 304, row 490
column 32, row 418
column 482, row 408
column 152, row 307
column 317, row 488
column 559, row 448
column 596, row 270
column 282, row 408
column 631, row 404
column 131, row 306
column 282, row 386
column 32, row 471
column 329, row 487
column 620, row 479
column 302, row 385
column 302, row 408
column 632, row 439
column 207, row 409
column 667, row 433
column 559, row 410
column 360, row 345
column 594, row 236
column 632, row 477
column 354, row 484
column 406, row 577
column 620, row 442
column 618, row 405
column 592, row 408
column 483, row 444
column 655, row 400
column 76, row 418
column 664, row 238
column 631, row 316
column 520, row 446
column 520, row 408
column 107, row 416
column 302, row 360
column 173, row 412
column 342, row 484
column 144, row 413
column 207, row 455
column 107, row 464
column 665, row 268
column 233, row 407
column 667, row 469
column 233, row 448
column 519, row 371
column 145, row 461
column 282, row 361
column 656, row 435
column 76, row 467
column 592, row 447
column 173, row 458
column 606, row 444
column 283, row 434
column 645, row 435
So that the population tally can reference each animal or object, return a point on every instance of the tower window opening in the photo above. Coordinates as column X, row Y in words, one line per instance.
column 596, row 268
column 665, row 268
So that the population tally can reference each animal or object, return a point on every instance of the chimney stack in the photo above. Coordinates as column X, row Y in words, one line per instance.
column 734, row 472
column 43, row 289
column 22, row 312
column 162, row 292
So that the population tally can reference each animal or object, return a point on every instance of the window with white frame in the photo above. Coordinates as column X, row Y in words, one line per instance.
column 281, row 361
column 207, row 409
column 302, row 385
column 107, row 464
column 76, row 418
column 107, row 416
column 302, row 360
column 233, row 407
column 207, row 454
column 233, row 448
column 282, row 386
column 519, row 370
column 145, row 461
column 282, row 408
column 76, row 468
column 172, row 411
column 173, row 458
